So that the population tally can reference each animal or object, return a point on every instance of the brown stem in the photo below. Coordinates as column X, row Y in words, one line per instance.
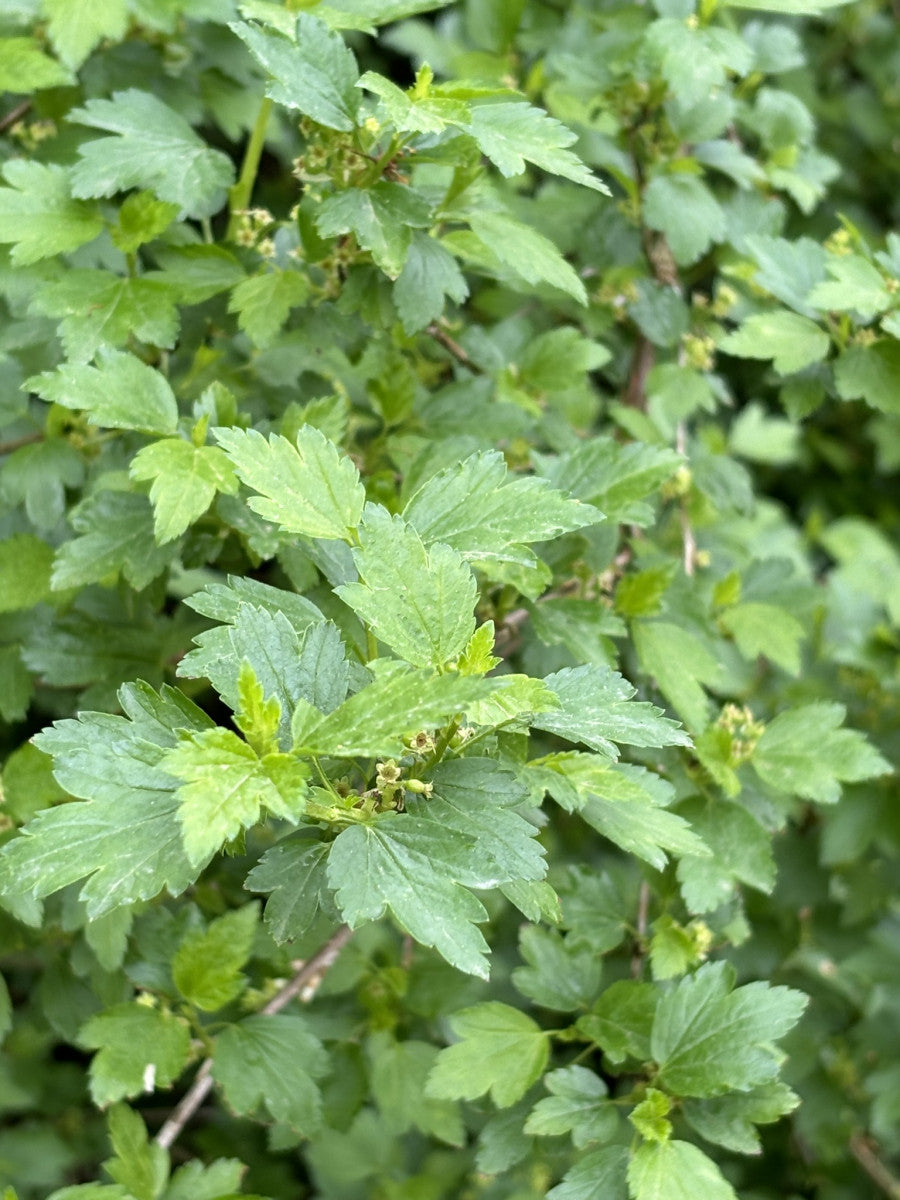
column 863, row 1151
column 454, row 348
column 635, row 395
column 13, row 115
column 25, row 440
column 304, row 984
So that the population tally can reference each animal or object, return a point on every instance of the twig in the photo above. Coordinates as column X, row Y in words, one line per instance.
column 25, row 440
column 637, row 959
column 304, row 984
column 13, row 115
column 642, row 360
column 452, row 346
column 862, row 1150
column 688, row 541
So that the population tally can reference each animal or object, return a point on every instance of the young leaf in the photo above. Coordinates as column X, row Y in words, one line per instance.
column 596, row 708
column 315, row 73
column 136, row 1045
column 272, row 1062
column 708, row 1039
column 262, row 302
column 514, row 133
column 24, row 67
column 226, row 786
column 675, row 1171
column 307, row 487
column 126, row 839
column 38, row 215
column 77, row 26
column 207, row 966
column 140, row 1166
column 804, row 752
column 121, row 392
column 484, row 512
column 792, row 341
column 501, row 1051
column 185, row 479
column 152, row 147
column 419, row 602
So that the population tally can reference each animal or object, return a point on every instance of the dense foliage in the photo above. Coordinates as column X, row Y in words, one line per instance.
column 448, row 664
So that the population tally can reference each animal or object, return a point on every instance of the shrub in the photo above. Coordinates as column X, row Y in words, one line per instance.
column 448, row 671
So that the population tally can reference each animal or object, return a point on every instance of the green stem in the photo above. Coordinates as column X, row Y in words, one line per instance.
column 440, row 746
column 239, row 196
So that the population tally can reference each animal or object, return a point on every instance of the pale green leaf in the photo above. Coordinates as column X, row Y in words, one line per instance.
column 513, row 133
column 430, row 273
column 675, row 1171
column 399, row 1073
column 77, row 26
column 186, row 479
column 207, row 965
column 730, row 1121
column 617, row 479
column 121, row 392
column 683, row 208
column 526, row 252
column 139, row 1165
column 38, row 215
column 137, row 1046
column 501, row 1051
column 24, row 67
column 578, row 1104
column 263, row 302
column 855, row 286
column 766, row 629
column 25, row 563
column 792, row 341
column 307, row 487
column 153, row 147
column 680, row 663
column 870, row 373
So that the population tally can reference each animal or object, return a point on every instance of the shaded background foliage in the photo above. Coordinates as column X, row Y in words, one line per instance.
column 720, row 334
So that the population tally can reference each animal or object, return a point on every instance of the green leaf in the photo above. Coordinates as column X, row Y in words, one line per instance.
column 121, row 392
column 418, row 870
column 621, row 1020
column 418, row 602
column 293, row 873
column 38, row 215
column 558, row 976
column 139, row 1048
column 115, row 534
column 856, row 286
column 513, row 133
column 790, row 340
column 100, row 309
column 596, row 708
column 198, row 272
column 804, row 752
column 262, row 302
column 140, row 1166
column 142, row 218
column 708, row 1039
column 788, row 7
column 730, row 1121
column 77, row 26
column 486, row 513
column 680, row 663
column 126, row 839
column 675, row 1171
column 597, row 1176
column 501, row 1052
column 272, row 1063
column 399, row 1071
column 870, row 373
column 381, row 217
column 24, row 67
column 152, row 147
column 25, row 563
column 226, row 786
column 316, row 73
column 741, row 850
column 430, row 273
column 415, row 113
column 615, row 478
column 526, row 252
column 207, row 966
column 578, row 1104
column 195, row 1181
column 766, row 629
column 186, row 479
column 308, row 487
column 685, row 210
